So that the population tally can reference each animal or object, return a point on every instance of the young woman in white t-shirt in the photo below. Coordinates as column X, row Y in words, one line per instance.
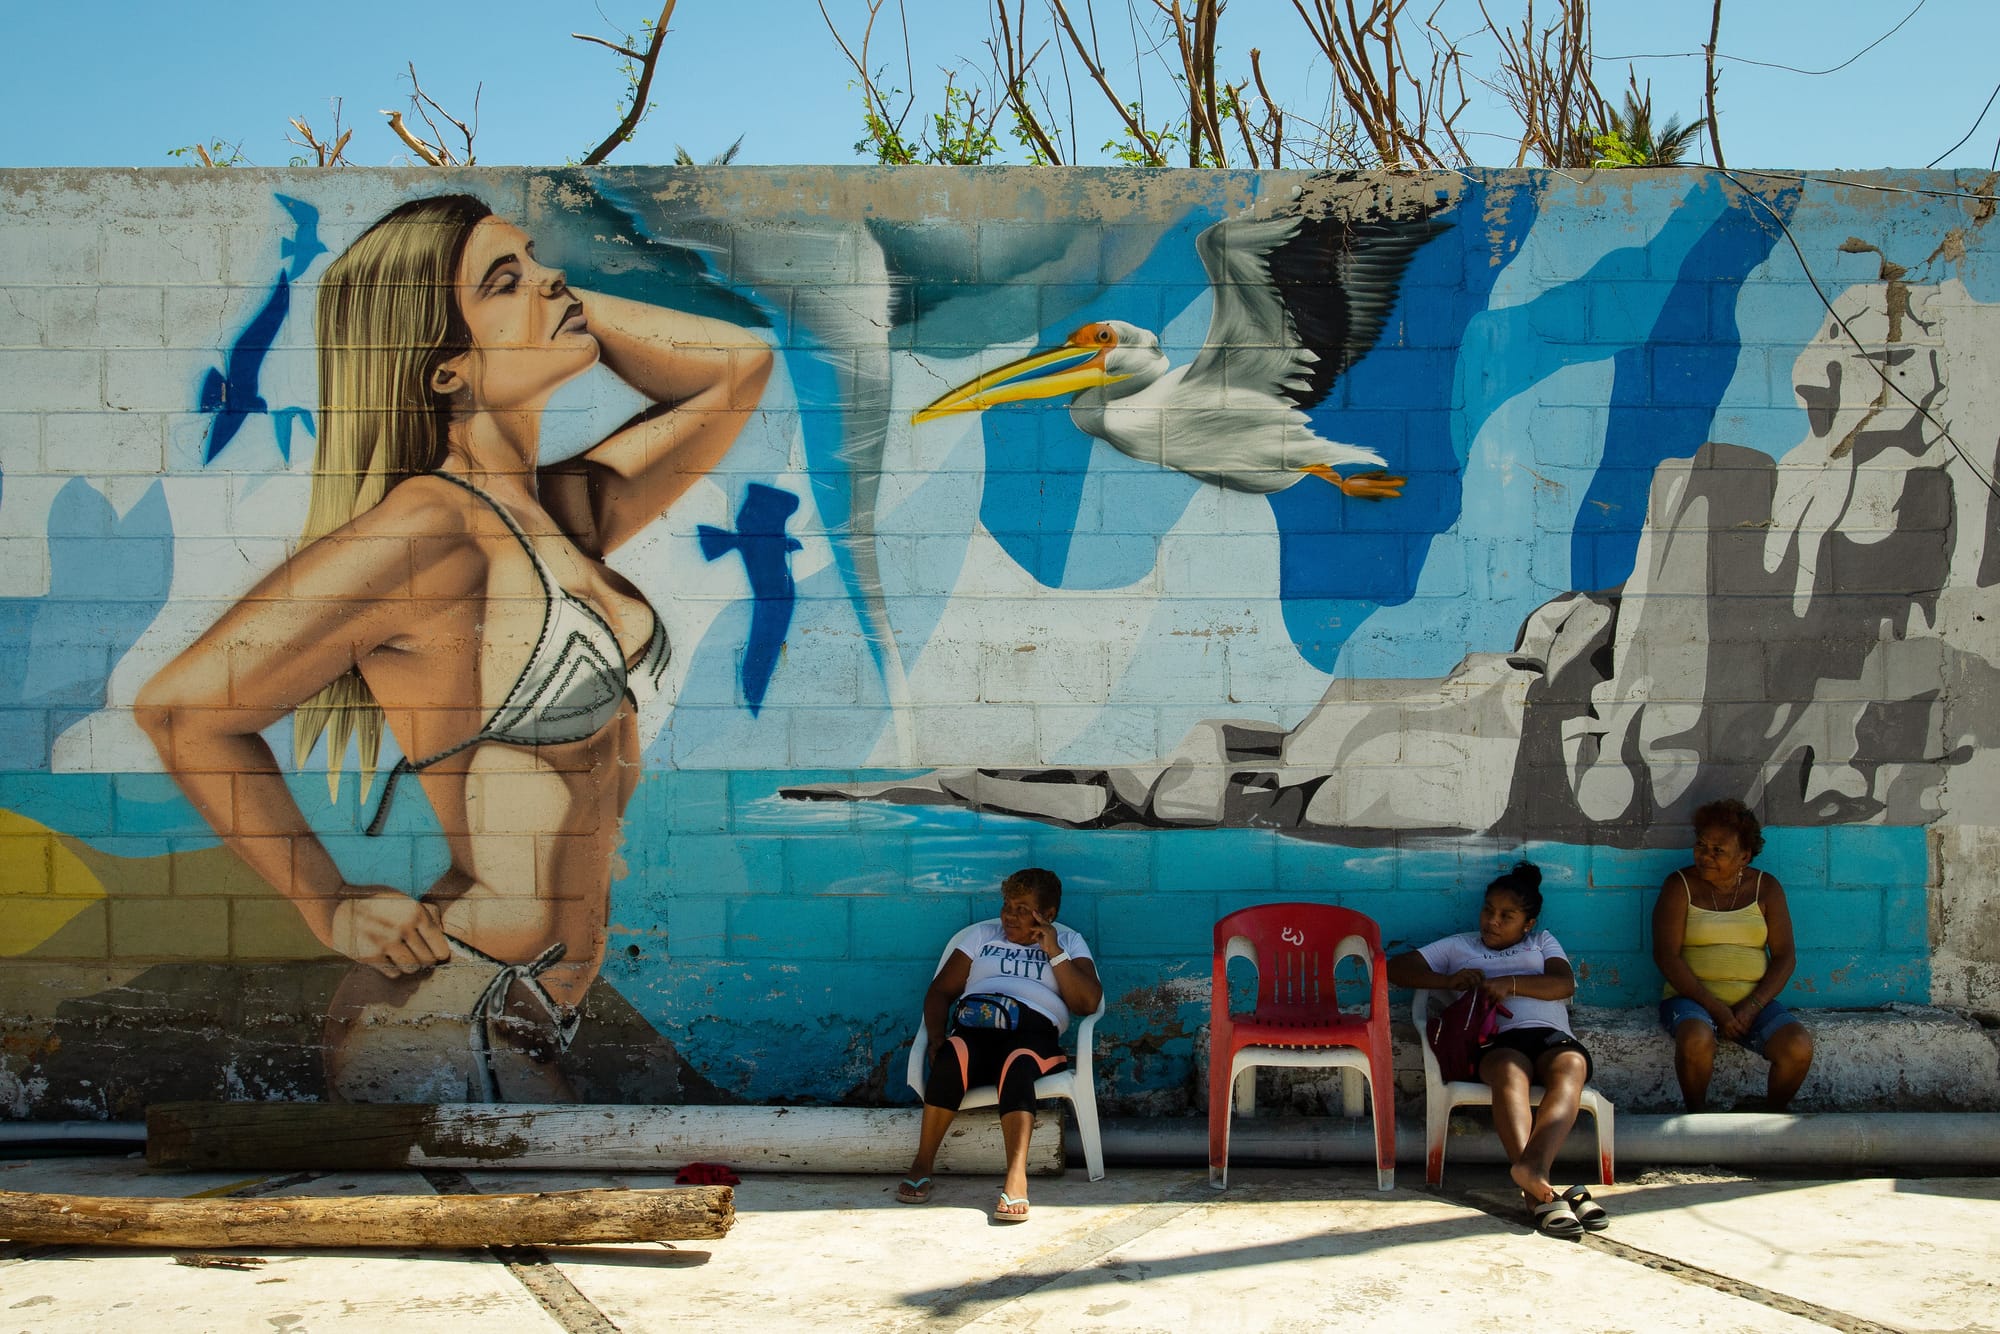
column 995, row 1014
column 1525, row 972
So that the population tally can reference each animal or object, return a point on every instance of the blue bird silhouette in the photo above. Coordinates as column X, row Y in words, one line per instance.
column 304, row 247
column 230, row 394
column 766, row 549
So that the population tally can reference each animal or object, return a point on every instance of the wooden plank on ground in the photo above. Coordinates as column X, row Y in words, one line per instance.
column 289, row 1137
column 554, row 1218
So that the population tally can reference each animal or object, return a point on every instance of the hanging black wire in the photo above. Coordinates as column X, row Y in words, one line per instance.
column 1984, row 478
column 1969, row 133
column 1771, row 64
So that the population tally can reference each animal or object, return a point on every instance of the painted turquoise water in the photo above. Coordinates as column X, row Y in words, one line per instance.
column 784, row 945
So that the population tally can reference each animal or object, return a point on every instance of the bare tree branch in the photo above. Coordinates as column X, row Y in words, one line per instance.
column 1398, row 97
column 1274, row 115
column 1546, row 76
column 434, row 151
column 1193, row 30
column 1009, row 49
column 625, row 51
column 1372, row 78
column 1447, row 81
column 642, row 85
column 326, row 152
column 1149, row 144
column 885, row 125
column 417, row 146
column 1714, row 132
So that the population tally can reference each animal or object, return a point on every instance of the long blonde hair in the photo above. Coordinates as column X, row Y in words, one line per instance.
column 387, row 318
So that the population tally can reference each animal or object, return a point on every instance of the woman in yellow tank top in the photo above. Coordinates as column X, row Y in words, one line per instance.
column 1722, row 936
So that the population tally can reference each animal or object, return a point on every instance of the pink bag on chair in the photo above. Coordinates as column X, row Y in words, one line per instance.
column 1460, row 1029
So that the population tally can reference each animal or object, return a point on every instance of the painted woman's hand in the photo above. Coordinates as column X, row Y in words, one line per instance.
column 388, row 930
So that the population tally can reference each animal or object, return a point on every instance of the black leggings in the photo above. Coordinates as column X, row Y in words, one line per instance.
column 1013, row 1059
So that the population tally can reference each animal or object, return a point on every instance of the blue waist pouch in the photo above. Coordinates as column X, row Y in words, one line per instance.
column 984, row 1010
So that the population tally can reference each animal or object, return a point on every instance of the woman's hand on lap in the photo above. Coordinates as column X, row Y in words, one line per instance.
column 1743, row 1014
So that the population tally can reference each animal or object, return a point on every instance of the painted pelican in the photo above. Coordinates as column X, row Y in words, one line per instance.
column 1296, row 302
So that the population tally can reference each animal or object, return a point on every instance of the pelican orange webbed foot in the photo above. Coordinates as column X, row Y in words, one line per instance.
column 1363, row 485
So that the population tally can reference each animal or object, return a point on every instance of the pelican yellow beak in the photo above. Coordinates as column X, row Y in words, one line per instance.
column 1065, row 370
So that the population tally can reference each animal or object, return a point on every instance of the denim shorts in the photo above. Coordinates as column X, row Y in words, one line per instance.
column 1769, row 1020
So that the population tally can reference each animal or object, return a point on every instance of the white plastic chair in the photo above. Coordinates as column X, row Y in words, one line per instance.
column 1440, row 1097
column 1072, row 1082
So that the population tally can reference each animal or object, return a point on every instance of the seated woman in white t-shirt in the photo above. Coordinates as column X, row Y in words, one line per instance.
column 1525, row 972
column 995, row 1014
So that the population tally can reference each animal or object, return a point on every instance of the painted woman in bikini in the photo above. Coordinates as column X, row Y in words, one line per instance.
column 451, row 586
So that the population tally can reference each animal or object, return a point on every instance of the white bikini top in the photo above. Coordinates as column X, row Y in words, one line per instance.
column 575, row 680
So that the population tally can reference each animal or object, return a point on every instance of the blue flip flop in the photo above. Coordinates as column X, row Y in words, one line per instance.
column 914, row 1192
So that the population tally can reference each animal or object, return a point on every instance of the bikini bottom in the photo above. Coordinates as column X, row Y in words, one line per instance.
column 472, row 1029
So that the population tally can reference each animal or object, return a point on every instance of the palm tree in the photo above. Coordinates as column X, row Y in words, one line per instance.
column 1631, row 140
column 683, row 158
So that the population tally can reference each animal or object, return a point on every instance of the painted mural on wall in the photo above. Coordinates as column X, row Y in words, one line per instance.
column 1207, row 537
column 452, row 590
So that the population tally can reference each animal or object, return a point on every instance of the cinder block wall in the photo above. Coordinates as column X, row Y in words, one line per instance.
column 1677, row 511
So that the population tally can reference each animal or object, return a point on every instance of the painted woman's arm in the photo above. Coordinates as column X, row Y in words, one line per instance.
column 304, row 625
column 705, row 375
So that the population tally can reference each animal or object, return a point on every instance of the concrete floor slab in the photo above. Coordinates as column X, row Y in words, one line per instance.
column 89, row 1291
column 1912, row 1254
column 1145, row 1249
column 1284, row 1256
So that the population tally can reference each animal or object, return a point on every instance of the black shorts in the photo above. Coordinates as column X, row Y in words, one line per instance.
column 1012, row 1058
column 1531, row 1042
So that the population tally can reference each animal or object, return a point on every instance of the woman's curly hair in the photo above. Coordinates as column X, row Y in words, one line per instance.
column 1732, row 815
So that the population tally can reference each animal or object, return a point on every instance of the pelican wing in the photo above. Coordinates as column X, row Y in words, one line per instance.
column 1299, row 300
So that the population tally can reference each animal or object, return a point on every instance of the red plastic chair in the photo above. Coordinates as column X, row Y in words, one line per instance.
column 1297, row 1021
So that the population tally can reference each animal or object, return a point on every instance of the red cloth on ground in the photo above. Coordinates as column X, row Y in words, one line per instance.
column 707, row 1174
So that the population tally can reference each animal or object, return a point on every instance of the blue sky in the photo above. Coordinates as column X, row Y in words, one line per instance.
column 120, row 84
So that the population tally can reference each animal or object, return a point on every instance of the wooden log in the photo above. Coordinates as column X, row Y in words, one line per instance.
column 555, row 1218
column 312, row 1136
